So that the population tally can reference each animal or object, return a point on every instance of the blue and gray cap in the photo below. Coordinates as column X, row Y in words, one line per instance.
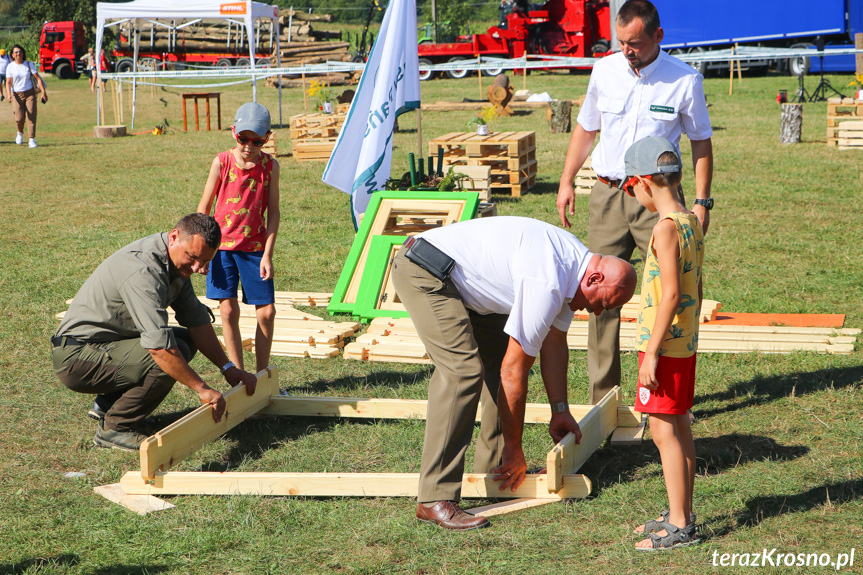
column 252, row 117
column 641, row 158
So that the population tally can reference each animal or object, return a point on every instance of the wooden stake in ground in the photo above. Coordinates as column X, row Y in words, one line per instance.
column 419, row 133
column 731, row 73
column 791, row 123
column 479, row 77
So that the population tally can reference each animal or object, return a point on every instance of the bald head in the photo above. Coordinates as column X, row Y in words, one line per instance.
column 620, row 278
column 608, row 282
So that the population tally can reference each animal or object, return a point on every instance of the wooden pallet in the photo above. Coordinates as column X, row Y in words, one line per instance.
column 305, row 126
column 844, row 115
column 585, row 179
column 846, row 135
column 511, row 157
column 313, row 150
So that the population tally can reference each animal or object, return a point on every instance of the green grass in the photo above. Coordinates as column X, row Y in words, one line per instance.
column 778, row 438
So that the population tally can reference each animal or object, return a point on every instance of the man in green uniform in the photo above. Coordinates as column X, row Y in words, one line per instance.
column 115, row 341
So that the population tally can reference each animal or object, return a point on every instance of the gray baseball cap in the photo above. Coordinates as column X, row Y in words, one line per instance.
column 252, row 117
column 641, row 157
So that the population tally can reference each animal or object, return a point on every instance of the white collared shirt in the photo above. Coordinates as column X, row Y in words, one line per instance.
column 521, row 267
column 666, row 100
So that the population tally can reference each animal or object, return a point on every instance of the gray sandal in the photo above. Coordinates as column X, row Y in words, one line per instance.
column 652, row 525
column 674, row 537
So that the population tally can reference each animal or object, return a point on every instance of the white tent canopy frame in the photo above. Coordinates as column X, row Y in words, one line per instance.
column 246, row 11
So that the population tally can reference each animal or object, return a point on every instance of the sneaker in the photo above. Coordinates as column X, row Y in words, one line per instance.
column 19, row 138
column 32, row 143
column 123, row 440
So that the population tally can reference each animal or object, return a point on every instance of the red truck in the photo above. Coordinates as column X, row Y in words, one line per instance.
column 61, row 45
column 575, row 28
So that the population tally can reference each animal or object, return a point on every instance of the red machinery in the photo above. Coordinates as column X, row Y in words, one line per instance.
column 576, row 28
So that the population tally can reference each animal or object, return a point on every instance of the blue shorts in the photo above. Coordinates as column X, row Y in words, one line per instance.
column 229, row 269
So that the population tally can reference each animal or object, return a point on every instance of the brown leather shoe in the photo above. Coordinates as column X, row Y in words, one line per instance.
column 449, row 515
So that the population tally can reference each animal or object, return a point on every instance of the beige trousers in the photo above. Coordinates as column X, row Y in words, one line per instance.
column 24, row 105
column 618, row 224
column 464, row 346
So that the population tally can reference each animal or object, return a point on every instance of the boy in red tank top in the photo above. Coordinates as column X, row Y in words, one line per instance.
column 244, row 185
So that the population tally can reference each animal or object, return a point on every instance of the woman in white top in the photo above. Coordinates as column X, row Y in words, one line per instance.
column 22, row 93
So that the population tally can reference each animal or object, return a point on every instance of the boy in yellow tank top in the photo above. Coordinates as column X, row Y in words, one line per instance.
column 667, row 336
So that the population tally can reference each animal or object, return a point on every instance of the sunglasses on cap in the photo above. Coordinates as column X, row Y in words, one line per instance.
column 254, row 141
column 628, row 185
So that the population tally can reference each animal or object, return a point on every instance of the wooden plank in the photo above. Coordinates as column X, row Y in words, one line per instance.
column 567, row 456
column 502, row 507
column 185, row 436
column 474, row 485
column 629, row 435
column 140, row 504
column 382, row 408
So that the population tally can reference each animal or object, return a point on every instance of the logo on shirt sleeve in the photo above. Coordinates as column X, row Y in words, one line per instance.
column 661, row 109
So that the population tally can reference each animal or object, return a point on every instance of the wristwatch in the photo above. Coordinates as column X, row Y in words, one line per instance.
column 708, row 203
column 226, row 367
column 559, row 407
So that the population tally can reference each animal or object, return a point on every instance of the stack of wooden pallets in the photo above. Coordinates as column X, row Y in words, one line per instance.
column 845, row 123
column 585, row 179
column 314, row 135
column 510, row 155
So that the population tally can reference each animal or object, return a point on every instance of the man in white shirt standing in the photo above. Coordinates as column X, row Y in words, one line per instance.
column 639, row 92
column 486, row 296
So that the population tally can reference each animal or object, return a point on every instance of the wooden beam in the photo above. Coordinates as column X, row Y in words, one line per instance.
column 140, row 504
column 354, row 407
column 474, row 485
column 567, row 456
column 188, row 434
column 629, row 435
column 509, row 506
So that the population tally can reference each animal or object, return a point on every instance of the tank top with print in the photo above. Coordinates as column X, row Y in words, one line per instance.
column 681, row 340
column 241, row 203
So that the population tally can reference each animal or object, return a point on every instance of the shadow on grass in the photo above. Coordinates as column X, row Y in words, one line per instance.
column 393, row 379
column 259, row 434
column 765, row 507
column 614, row 465
column 761, row 390
column 543, row 188
column 38, row 563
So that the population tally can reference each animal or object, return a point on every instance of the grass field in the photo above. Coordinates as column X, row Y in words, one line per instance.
column 778, row 438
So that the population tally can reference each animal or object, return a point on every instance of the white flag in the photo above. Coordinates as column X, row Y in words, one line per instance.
column 389, row 86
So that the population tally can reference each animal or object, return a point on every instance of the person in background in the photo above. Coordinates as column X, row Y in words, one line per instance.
column 104, row 67
column 89, row 60
column 21, row 91
column 4, row 61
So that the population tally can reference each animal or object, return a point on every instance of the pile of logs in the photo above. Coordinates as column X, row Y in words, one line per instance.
column 299, row 42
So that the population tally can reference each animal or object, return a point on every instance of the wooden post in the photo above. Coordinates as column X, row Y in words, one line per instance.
column 731, row 73
column 858, row 43
column 305, row 103
column 479, row 77
column 560, row 116
column 120, row 96
column 791, row 123
column 739, row 70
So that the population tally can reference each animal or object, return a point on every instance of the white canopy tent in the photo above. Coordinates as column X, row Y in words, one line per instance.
column 188, row 12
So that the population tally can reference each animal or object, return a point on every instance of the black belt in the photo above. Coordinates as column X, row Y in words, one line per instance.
column 61, row 340
column 606, row 181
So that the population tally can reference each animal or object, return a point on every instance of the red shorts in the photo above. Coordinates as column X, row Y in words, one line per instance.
column 676, row 378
